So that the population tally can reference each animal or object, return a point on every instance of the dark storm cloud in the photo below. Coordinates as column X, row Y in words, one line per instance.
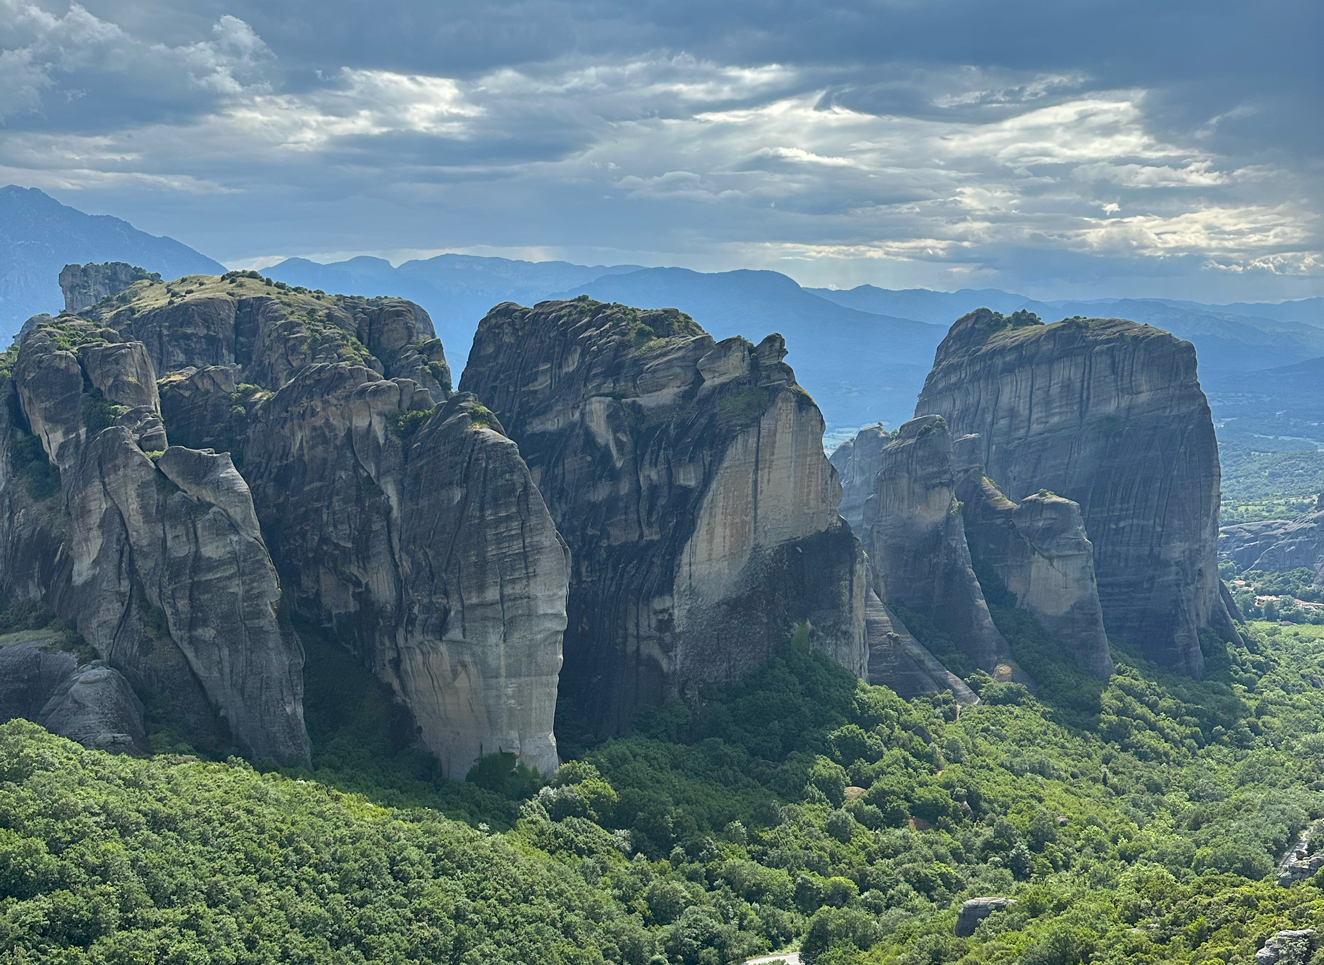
column 1030, row 144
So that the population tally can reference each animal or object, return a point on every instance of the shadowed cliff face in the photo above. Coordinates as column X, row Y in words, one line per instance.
column 404, row 522
column 1036, row 550
column 432, row 553
column 689, row 480
column 857, row 462
column 159, row 564
column 917, row 544
column 1109, row 414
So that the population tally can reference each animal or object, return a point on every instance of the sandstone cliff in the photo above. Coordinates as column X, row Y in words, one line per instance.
column 689, row 480
column 414, row 531
column 1038, row 552
column 857, row 462
column 1109, row 414
column 85, row 285
column 159, row 563
column 400, row 518
column 917, row 546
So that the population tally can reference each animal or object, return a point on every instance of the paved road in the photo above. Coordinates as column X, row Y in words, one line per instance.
column 790, row 958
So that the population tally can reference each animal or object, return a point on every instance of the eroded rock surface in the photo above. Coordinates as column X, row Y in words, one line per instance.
column 917, row 546
column 1109, row 414
column 1037, row 551
column 976, row 910
column 432, row 551
column 90, row 703
column 689, row 480
column 857, row 462
column 899, row 661
column 400, row 518
column 1278, row 544
column 85, row 285
column 159, row 565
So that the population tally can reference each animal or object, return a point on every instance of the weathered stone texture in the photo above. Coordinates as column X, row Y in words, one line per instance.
column 85, row 285
column 433, row 554
column 689, row 480
column 160, row 567
column 1109, row 414
column 917, row 544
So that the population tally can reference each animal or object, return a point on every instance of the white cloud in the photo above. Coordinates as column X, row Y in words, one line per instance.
column 757, row 161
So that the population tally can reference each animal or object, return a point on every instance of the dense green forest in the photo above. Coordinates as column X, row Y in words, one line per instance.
column 1137, row 820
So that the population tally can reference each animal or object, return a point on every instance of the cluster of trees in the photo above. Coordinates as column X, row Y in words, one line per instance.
column 1135, row 820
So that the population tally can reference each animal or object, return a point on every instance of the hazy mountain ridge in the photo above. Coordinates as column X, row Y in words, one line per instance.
column 39, row 236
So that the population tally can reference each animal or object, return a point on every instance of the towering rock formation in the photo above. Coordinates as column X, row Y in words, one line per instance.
column 85, row 285
column 1109, row 414
column 689, row 480
column 156, row 559
column 917, row 545
column 1038, row 552
column 857, row 462
column 414, row 530
column 400, row 518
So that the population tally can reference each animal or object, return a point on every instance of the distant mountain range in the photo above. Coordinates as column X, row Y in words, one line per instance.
column 39, row 236
column 862, row 352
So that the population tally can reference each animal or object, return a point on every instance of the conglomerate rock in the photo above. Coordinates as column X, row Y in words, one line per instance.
column 916, row 540
column 1037, row 551
column 1278, row 544
column 90, row 703
column 1109, row 414
column 428, row 547
column 159, row 565
column 689, row 480
column 400, row 519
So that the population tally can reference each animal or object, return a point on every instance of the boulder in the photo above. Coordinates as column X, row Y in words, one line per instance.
column 1291, row 947
column 92, row 703
column 976, row 910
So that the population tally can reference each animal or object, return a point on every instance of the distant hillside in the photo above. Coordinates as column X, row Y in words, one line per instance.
column 39, row 236
column 859, row 367
column 456, row 290
column 937, row 308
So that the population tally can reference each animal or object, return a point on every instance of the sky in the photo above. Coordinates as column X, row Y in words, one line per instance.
column 1057, row 148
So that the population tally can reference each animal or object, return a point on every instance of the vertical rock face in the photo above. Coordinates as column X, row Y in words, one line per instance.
column 689, row 480
column 899, row 661
column 399, row 517
column 416, row 532
column 160, row 565
column 1038, row 551
column 1109, row 414
column 85, row 285
column 857, row 462
column 917, row 544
